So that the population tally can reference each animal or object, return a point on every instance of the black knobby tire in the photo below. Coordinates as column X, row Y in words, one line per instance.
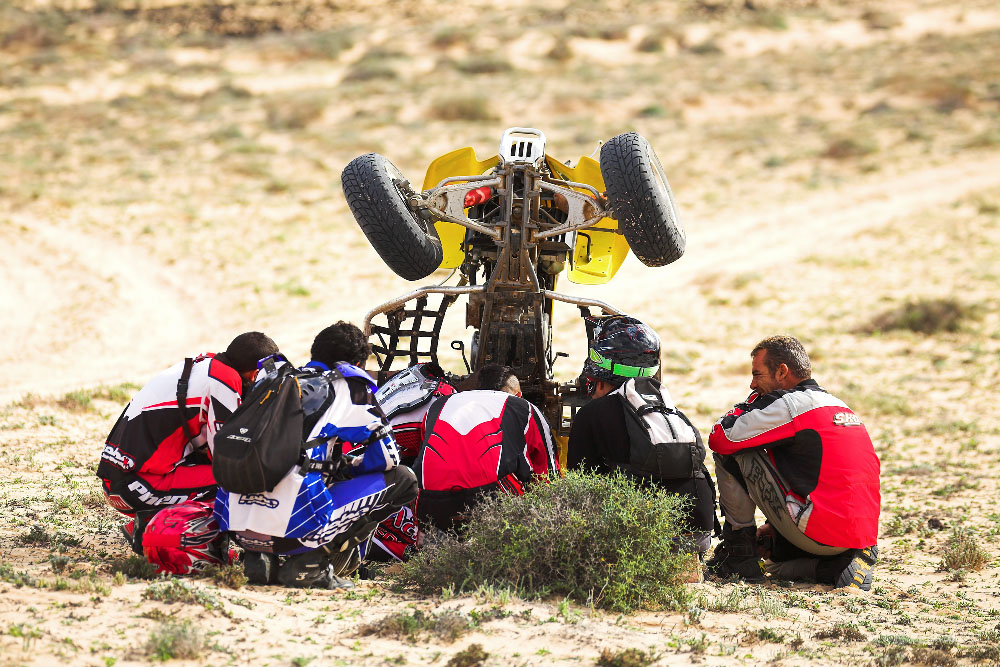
column 640, row 199
column 406, row 244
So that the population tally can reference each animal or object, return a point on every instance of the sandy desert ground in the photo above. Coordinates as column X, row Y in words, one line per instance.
column 169, row 177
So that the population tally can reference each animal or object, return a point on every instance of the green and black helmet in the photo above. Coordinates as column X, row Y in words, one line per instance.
column 622, row 347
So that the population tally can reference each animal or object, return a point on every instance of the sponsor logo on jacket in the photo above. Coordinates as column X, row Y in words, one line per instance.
column 117, row 457
column 149, row 498
column 258, row 499
column 846, row 419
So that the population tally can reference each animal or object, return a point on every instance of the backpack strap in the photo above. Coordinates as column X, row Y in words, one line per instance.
column 337, row 467
column 309, row 386
column 649, row 393
column 334, row 469
column 182, row 391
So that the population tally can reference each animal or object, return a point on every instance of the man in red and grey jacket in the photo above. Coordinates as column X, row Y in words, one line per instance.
column 806, row 460
column 157, row 453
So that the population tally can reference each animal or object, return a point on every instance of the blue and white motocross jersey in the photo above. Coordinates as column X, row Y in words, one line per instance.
column 302, row 506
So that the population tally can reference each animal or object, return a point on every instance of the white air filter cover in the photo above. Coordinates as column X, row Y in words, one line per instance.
column 523, row 145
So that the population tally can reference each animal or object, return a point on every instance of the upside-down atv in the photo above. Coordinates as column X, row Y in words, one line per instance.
column 509, row 225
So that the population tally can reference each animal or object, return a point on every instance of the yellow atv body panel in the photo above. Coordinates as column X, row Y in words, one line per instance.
column 460, row 162
column 596, row 255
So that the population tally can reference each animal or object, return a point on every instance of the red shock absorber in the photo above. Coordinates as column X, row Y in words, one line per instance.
column 478, row 196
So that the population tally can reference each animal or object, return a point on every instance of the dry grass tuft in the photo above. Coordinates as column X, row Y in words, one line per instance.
column 175, row 640
column 987, row 139
column 561, row 51
column 847, row 631
column 630, row 657
column 485, row 63
column 963, row 552
column 844, row 148
column 471, row 656
column 463, row 108
column 926, row 316
column 652, row 43
column 880, row 19
column 24, row 30
column 447, row 626
column 923, row 655
column 325, row 44
column 448, row 37
column 371, row 71
column 296, row 112
column 230, row 576
column 134, row 567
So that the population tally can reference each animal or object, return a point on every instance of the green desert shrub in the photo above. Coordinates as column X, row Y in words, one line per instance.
column 175, row 639
column 590, row 538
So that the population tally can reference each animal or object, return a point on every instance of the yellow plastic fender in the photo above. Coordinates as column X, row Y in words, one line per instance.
column 460, row 162
column 596, row 255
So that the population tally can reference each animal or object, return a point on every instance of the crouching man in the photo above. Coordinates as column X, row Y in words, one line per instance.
column 157, row 454
column 806, row 460
column 478, row 442
column 312, row 529
column 631, row 424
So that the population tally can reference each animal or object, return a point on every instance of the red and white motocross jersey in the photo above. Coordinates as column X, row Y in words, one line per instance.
column 821, row 449
column 149, row 438
column 481, row 438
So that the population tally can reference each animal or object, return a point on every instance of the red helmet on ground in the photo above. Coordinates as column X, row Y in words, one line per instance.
column 185, row 538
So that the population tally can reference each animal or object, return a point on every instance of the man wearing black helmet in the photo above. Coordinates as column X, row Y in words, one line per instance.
column 632, row 425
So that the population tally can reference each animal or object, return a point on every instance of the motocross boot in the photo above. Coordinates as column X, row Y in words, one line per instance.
column 133, row 530
column 311, row 569
column 736, row 555
column 261, row 569
column 345, row 563
column 851, row 569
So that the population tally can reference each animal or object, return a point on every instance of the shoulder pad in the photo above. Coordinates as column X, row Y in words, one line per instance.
column 409, row 389
column 348, row 371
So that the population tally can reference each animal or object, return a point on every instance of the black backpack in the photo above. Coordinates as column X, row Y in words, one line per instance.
column 265, row 436
column 659, row 447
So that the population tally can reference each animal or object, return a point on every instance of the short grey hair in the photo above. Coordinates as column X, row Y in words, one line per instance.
column 786, row 350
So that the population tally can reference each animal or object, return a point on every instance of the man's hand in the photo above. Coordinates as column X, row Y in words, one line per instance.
column 342, row 468
column 765, row 540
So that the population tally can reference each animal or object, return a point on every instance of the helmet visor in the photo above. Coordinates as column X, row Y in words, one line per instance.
column 622, row 370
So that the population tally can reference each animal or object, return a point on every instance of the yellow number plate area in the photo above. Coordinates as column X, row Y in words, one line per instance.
column 596, row 255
